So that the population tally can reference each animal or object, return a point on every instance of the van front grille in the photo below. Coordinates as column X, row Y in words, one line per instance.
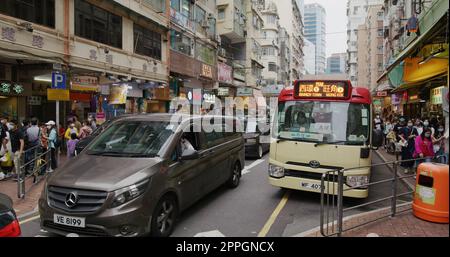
column 88, row 200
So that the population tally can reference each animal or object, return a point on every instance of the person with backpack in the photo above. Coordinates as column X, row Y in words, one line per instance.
column 53, row 144
column 407, row 140
column 33, row 134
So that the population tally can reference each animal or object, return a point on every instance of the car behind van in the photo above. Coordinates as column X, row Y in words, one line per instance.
column 138, row 175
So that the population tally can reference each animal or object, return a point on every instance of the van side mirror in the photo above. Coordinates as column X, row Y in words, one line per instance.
column 377, row 138
column 193, row 156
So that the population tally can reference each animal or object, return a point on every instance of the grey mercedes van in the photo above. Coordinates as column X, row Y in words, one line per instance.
column 138, row 175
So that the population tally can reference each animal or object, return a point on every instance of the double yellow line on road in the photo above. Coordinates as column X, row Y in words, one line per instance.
column 29, row 219
column 274, row 215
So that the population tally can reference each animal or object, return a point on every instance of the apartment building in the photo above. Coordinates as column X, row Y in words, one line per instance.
column 336, row 63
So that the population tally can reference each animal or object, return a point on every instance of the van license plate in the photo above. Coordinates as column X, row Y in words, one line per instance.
column 313, row 186
column 69, row 221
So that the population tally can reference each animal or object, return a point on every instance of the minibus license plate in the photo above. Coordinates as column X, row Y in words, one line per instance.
column 69, row 220
column 311, row 185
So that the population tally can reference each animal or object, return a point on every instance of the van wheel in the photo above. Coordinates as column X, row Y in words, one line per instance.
column 260, row 152
column 235, row 176
column 164, row 217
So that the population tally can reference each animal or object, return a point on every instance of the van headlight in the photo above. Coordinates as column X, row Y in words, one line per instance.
column 129, row 193
column 276, row 171
column 353, row 181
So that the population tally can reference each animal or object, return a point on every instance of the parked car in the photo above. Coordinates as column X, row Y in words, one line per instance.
column 138, row 175
column 9, row 225
column 257, row 138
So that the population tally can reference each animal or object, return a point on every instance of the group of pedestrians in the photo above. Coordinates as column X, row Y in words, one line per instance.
column 422, row 139
column 32, row 139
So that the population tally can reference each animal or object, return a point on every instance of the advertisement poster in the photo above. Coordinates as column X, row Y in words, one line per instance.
column 118, row 94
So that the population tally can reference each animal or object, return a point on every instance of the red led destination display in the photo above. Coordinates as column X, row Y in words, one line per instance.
column 322, row 89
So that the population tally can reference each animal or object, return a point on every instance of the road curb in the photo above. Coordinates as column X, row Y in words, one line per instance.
column 317, row 229
column 404, row 181
column 28, row 214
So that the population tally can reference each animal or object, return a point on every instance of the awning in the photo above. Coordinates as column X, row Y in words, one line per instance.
column 417, row 42
column 406, row 86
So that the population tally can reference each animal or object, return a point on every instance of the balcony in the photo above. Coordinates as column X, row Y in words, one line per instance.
column 233, row 29
column 239, row 70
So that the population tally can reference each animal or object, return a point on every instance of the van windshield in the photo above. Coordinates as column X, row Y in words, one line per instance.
column 132, row 139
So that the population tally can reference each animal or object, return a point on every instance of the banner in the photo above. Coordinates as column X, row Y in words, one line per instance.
column 225, row 73
column 118, row 94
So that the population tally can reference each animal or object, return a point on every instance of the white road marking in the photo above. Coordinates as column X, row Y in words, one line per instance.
column 212, row 233
column 247, row 169
column 40, row 236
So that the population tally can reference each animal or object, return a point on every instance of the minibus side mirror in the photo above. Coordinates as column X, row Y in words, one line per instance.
column 377, row 138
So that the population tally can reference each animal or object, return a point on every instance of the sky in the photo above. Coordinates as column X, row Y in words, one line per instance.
column 336, row 24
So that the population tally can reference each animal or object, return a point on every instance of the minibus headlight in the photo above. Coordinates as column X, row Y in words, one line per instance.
column 276, row 171
column 353, row 181
column 126, row 194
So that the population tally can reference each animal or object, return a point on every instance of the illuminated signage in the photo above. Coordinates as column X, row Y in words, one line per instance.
column 381, row 93
column 322, row 89
column 436, row 95
column 207, row 71
column 413, row 97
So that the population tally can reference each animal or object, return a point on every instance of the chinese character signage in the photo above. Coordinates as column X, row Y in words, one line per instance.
column 322, row 89
column 206, row 71
column 436, row 95
column 84, row 83
column 58, row 94
column 225, row 73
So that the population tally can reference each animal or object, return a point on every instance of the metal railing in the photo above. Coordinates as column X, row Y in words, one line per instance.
column 332, row 196
column 33, row 163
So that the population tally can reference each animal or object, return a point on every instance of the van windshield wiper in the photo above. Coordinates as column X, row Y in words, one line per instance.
column 330, row 143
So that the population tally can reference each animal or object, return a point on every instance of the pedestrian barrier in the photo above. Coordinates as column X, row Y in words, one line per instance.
column 332, row 196
column 33, row 163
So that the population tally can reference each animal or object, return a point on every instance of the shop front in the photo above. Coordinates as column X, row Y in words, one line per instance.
column 13, row 99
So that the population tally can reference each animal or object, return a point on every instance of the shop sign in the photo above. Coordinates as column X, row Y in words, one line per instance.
column 225, row 73
column 445, row 99
column 415, row 71
column 244, row 91
column 100, row 117
column 10, row 88
column 84, row 83
column 223, row 91
column 9, row 34
column 381, row 93
column 34, row 100
column 80, row 97
column 58, row 94
column 209, row 98
column 118, row 94
column 206, row 71
column 436, row 95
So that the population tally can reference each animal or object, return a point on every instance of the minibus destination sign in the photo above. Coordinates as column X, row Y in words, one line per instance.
column 322, row 89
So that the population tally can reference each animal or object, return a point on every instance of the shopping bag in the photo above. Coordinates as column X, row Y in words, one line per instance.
column 6, row 160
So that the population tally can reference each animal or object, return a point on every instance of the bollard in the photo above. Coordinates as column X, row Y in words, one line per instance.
column 394, row 191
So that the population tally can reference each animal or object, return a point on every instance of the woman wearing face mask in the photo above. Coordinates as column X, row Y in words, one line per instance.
column 439, row 143
column 424, row 146
column 52, row 137
column 426, row 124
column 418, row 126
column 71, row 130
column 407, row 137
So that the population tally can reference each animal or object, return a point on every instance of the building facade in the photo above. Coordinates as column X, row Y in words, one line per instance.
column 292, row 21
column 315, row 31
column 336, row 63
column 93, row 45
column 310, row 57
column 356, row 15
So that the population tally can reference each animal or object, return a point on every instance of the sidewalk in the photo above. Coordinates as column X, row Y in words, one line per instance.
column 29, row 203
column 386, row 157
column 404, row 224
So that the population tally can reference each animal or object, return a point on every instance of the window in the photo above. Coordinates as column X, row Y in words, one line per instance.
column 272, row 66
column 205, row 54
column 182, row 6
column 180, row 42
column 159, row 5
column 36, row 11
column 380, row 32
column 355, row 9
column 96, row 24
column 221, row 13
column 200, row 14
column 271, row 19
column 147, row 42
column 268, row 51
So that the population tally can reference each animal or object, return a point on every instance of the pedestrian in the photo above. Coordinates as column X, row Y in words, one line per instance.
column 387, row 128
column 439, row 144
column 424, row 147
column 6, row 162
column 17, row 143
column 61, row 131
column 52, row 138
column 378, row 122
column 77, row 123
column 44, row 148
column 92, row 122
column 407, row 137
column 418, row 125
column 426, row 124
column 32, row 142
column 71, row 144
column 85, row 131
column 70, row 130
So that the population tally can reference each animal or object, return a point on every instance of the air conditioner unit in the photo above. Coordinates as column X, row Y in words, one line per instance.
column 204, row 24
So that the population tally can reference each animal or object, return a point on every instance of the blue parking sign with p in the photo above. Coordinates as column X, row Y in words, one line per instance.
column 58, row 80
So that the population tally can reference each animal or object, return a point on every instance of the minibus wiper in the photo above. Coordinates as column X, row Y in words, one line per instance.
column 329, row 143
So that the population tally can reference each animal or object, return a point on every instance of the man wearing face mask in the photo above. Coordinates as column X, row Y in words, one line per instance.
column 439, row 144
column 407, row 136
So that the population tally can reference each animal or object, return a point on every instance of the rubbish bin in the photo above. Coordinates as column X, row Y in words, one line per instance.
column 431, row 194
